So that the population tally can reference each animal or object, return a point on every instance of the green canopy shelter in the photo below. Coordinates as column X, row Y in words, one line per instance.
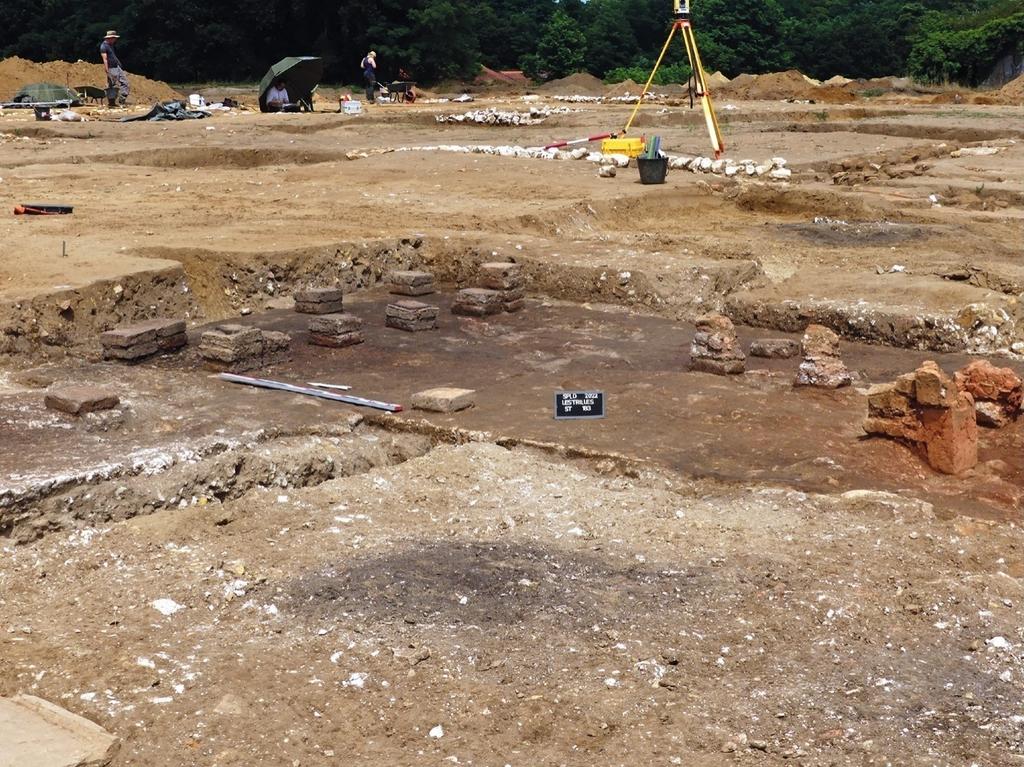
column 301, row 75
column 46, row 93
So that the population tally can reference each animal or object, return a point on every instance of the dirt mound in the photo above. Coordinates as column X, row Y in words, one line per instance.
column 671, row 89
column 1013, row 89
column 838, row 80
column 790, row 84
column 625, row 88
column 717, row 80
column 17, row 72
column 579, row 84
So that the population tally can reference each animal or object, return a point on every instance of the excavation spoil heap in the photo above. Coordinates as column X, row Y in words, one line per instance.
column 927, row 410
column 822, row 365
column 715, row 348
column 335, row 330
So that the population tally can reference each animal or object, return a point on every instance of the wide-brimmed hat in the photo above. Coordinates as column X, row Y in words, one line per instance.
column 110, row 33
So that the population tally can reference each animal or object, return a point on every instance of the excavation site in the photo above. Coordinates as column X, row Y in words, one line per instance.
column 403, row 437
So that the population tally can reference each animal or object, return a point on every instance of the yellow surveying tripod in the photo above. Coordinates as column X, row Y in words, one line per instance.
column 699, row 87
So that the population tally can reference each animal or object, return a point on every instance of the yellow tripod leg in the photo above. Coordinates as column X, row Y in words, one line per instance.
column 647, row 85
column 710, row 118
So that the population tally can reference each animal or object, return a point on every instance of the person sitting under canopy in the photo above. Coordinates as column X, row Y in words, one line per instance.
column 277, row 97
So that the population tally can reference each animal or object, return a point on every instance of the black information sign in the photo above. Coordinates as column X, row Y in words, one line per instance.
column 579, row 404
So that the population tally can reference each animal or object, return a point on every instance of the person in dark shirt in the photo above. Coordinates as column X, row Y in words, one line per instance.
column 117, row 81
column 370, row 75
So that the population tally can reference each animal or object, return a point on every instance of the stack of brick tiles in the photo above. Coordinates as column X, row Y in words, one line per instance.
column 478, row 302
column 507, row 279
column 237, row 349
column 411, row 283
column 319, row 301
column 411, row 316
column 139, row 340
column 335, row 330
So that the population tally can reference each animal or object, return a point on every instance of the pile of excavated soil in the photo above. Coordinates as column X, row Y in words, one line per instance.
column 1014, row 89
column 626, row 87
column 579, row 84
column 716, row 80
column 790, row 84
column 838, row 80
column 16, row 72
column 671, row 89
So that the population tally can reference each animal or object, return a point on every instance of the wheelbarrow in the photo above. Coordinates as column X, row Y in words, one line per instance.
column 401, row 91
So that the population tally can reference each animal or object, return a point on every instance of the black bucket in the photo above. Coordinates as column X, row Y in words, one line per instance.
column 652, row 171
column 42, row 113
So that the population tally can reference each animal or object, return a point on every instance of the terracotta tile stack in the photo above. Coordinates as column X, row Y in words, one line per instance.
column 143, row 339
column 411, row 316
column 715, row 348
column 507, row 279
column 237, row 349
column 335, row 330
column 411, row 283
column 318, row 301
column 478, row 302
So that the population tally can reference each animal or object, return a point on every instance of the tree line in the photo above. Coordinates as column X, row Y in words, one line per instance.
column 434, row 40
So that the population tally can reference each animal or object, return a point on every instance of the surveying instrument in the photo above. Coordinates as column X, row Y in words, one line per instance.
column 697, row 85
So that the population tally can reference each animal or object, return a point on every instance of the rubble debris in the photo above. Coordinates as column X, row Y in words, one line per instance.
column 444, row 399
column 318, row 301
column 493, row 116
column 335, row 330
column 822, row 366
column 775, row 348
column 773, row 169
column 139, row 340
column 410, row 283
column 606, row 171
column 715, row 348
column 36, row 733
column 478, row 302
column 997, row 392
column 927, row 410
column 236, row 348
column 507, row 278
column 411, row 316
column 79, row 400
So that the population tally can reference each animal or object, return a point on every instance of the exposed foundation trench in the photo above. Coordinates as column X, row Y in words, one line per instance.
column 219, row 472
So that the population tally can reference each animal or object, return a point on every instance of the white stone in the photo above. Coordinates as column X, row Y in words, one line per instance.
column 167, row 606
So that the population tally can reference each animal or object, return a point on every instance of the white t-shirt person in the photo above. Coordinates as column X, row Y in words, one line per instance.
column 277, row 96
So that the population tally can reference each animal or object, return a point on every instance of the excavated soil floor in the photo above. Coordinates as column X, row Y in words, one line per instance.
column 722, row 570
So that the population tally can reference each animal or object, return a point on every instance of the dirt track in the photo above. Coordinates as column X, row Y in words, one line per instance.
column 720, row 571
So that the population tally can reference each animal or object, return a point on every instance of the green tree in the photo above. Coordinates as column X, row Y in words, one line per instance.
column 561, row 51
column 742, row 35
column 611, row 43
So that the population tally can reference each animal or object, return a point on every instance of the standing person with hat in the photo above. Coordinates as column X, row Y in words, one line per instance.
column 117, row 81
column 369, row 65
